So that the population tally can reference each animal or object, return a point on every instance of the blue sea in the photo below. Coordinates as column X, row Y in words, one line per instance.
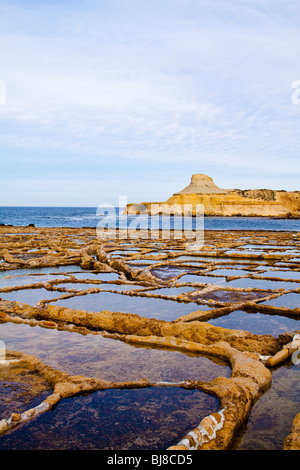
column 113, row 217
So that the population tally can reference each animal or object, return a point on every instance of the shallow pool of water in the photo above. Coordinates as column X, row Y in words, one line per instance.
column 29, row 296
column 230, row 272
column 138, row 419
column 272, row 415
column 262, row 284
column 108, row 359
column 295, row 275
column 291, row 300
column 103, row 285
column 169, row 271
column 230, row 296
column 47, row 270
column 144, row 306
column 171, row 290
column 142, row 261
column 256, row 323
column 202, row 279
column 24, row 280
column 96, row 276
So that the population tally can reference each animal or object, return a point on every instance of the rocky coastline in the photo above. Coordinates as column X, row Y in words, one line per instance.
column 203, row 197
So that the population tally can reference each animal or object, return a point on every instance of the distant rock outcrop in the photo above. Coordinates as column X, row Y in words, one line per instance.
column 202, row 184
column 202, row 192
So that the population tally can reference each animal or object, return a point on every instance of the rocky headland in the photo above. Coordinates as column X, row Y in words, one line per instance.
column 203, row 194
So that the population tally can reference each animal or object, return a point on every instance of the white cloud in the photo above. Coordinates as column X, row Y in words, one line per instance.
column 192, row 84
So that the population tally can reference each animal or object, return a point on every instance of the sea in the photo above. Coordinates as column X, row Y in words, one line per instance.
column 114, row 217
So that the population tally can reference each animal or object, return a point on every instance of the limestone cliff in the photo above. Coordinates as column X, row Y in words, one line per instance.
column 203, row 193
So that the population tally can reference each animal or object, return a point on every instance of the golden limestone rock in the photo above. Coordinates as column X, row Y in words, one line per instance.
column 292, row 442
column 202, row 194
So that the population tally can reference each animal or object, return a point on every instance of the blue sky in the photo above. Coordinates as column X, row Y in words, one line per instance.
column 129, row 98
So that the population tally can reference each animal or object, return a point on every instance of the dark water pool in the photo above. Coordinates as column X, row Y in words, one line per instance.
column 138, row 419
column 272, row 415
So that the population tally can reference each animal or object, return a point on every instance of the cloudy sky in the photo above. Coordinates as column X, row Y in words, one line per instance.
column 109, row 98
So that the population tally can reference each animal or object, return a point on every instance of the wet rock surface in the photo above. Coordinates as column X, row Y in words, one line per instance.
column 163, row 295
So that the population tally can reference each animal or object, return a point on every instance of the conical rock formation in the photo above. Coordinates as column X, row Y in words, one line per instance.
column 202, row 184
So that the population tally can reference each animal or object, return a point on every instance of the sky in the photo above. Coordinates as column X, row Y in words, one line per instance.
column 102, row 99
